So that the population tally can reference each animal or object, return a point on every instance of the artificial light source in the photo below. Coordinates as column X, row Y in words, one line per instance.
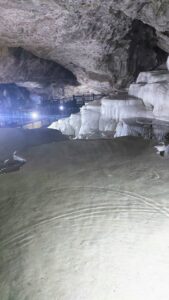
column 34, row 115
column 61, row 107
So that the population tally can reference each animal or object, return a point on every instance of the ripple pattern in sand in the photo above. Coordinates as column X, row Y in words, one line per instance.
column 106, row 202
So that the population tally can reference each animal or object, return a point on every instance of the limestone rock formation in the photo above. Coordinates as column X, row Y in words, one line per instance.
column 105, row 118
column 105, row 44
column 144, row 111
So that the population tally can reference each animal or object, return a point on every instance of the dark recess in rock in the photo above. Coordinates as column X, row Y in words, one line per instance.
column 12, row 96
column 41, row 70
column 144, row 54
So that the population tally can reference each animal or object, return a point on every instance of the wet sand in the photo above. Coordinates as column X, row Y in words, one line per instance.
column 86, row 220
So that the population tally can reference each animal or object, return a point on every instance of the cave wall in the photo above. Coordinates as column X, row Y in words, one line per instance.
column 22, row 67
column 105, row 44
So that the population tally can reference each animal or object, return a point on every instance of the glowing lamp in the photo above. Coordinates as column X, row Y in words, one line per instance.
column 61, row 107
column 34, row 115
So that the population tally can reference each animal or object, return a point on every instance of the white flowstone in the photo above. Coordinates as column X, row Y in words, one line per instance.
column 100, row 117
column 64, row 126
column 125, row 129
column 155, row 96
column 123, row 107
column 153, row 77
column 147, row 99
column 167, row 63
column 90, row 116
column 75, row 123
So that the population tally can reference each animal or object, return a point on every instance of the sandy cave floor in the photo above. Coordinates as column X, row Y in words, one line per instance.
column 85, row 220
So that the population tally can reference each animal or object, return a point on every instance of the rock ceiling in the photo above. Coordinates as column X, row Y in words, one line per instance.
column 81, row 45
